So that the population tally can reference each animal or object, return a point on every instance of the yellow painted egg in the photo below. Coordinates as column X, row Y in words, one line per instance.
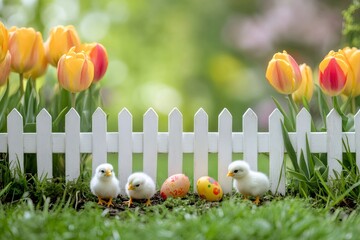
column 175, row 186
column 209, row 189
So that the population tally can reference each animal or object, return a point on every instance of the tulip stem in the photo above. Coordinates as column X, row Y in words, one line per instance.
column 21, row 78
column 73, row 99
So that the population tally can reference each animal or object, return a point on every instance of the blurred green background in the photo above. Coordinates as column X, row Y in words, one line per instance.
column 189, row 54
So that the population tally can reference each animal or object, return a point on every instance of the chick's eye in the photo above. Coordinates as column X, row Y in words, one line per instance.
column 137, row 185
column 236, row 171
column 102, row 171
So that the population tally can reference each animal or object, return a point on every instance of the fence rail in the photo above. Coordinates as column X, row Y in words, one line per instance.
column 175, row 142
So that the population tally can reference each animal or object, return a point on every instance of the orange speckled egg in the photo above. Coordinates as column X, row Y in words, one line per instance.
column 209, row 189
column 175, row 186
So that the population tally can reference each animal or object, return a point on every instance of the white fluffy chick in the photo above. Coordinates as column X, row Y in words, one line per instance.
column 248, row 182
column 104, row 184
column 140, row 186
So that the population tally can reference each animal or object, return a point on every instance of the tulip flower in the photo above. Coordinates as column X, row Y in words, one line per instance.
column 306, row 88
column 5, row 69
column 23, row 48
column 352, row 86
column 333, row 71
column 59, row 42
column 98, row 56
column 75, row 71
column 283, row 73
column 4, row 41
column 41, row 64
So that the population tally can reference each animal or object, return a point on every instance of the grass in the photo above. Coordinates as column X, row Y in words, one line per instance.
column 233, row 218
column 53, row 209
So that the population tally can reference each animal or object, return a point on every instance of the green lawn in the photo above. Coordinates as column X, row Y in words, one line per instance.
column 289, row 218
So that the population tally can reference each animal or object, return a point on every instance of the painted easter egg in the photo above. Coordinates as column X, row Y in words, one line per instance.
column 209, row 189
column 175, row 186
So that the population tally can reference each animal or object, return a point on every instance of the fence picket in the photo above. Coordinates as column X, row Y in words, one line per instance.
column 276, row 153
column 175, row 155
column 303, row 128
column 225, row 149
column 15, row 131
column 72, row 145
column 201, row 126
column 357, row 138
column 99, row 145
column 150, row 143
column 250, row 130
column 125, row 147
column 44, row 144
column 334, row 142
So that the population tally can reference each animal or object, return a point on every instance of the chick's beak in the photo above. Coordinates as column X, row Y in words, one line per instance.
column 108, row 172
column 230, row 174
column 131, row 187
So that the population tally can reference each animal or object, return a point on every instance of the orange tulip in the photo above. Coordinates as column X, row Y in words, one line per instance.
column 41, row 64
column 61, row 39
column 352, row 86
column 5, row 69
column 333, row 71
column 283, row 73
column 23, row 48
column 306, row 88
column 4, row 41
column 98, row 56
column 75, row 71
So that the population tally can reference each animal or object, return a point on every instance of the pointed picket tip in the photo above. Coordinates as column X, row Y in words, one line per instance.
column 201, row 113
column 124, row 113
column 99, row 112
column 225, row 113
column 175, row 113
column 150, row 113
column 250, row 114
column 43, row 114
column 333, row 114
column 14, row 114
column 276, row 114
column 72, row 113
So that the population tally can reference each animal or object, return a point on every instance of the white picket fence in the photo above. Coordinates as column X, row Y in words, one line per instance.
column 175, row 142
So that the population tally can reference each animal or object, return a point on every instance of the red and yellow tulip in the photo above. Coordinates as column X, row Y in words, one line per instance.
column 23, row 47
column 5, row 69
column 4, row 41
column 75, row 71
column 98, row 56
column 333, row 71
column 59, row 42
column 306, row 88
column 283, row 73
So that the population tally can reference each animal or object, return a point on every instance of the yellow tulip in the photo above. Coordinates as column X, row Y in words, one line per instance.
column 23, row 49
column 4, row 41
column 5, row 69
column 41, row 64
column 352, row 86
column 98, row 56
column 283, row 73
column 75, row 71
column 306, row 88
column 333, row 71
column 59, row 42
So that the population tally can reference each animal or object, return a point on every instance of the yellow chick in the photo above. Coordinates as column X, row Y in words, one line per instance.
column 140, row 186
column 104, row 184
column 247, row 182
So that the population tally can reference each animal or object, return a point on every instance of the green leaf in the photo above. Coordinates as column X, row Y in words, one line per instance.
column 4, row 108
column 323, row 106
column 298, row 176
column 303, row 165
column 287, row 120
column 289, row 148
column 59, row 123
column 311, row 165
